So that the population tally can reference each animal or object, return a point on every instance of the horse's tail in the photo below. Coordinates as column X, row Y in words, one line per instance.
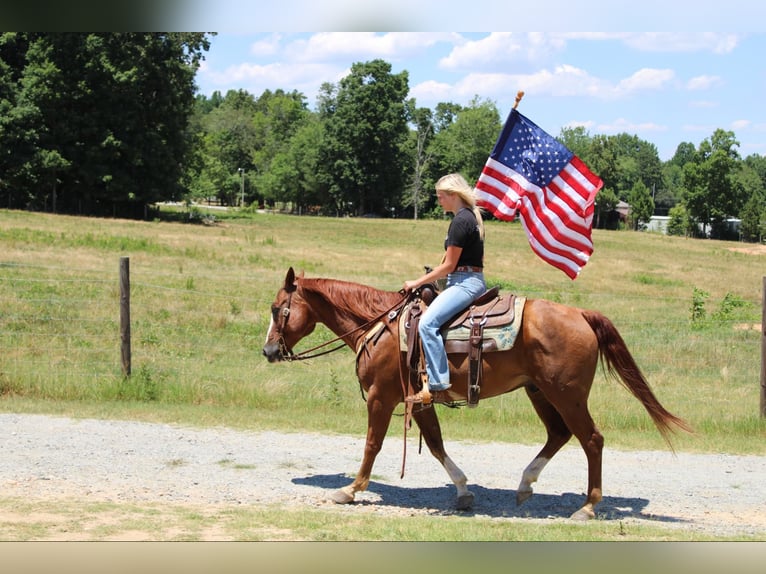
column 615, row 354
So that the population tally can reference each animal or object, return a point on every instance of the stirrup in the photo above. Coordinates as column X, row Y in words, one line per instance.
column 421, row 397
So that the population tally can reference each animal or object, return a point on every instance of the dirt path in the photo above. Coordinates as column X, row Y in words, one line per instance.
column 52, row 458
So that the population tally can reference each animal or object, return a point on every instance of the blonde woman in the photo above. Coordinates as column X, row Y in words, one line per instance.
column 463, row 266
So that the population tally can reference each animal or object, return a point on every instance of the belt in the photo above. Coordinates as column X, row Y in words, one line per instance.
column 469, row 269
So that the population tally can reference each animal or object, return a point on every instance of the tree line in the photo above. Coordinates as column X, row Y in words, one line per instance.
column 112, row 124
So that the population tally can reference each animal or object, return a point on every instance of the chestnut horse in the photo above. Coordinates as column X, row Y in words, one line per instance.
column 554, row 359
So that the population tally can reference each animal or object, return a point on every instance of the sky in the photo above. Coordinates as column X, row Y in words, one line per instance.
column 664, row 87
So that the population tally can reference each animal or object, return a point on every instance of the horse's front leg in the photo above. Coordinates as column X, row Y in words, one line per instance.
column 379, row 412
column 429, row 425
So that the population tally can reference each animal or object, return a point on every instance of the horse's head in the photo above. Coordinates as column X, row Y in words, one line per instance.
column 291, row 321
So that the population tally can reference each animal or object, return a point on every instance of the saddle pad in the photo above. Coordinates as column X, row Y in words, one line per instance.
column 504, row 336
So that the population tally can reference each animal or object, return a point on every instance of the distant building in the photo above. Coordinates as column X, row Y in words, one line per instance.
column 658, row 224
column 623, row 211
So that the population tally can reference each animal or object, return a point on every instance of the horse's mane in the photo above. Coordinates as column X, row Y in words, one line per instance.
column 353, row 299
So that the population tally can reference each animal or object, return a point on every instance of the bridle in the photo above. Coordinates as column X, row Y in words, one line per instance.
column 287, row 354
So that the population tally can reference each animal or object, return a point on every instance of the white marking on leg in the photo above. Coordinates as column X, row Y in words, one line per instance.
column 531, row 474
column 457, row 476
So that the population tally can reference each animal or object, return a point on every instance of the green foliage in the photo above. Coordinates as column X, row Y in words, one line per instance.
column 729, row 307
column 679, row 223
column 142, row 385
column 361, row 161
column 753, row 216
column 98, row 121
column 201, row 300
column 698, row 311
column 135, row 134
column 641, row 205
column 712, row 192
column 463, row 145
column 606, row 201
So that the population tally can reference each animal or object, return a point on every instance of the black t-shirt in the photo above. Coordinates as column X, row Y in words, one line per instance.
column 464, row 232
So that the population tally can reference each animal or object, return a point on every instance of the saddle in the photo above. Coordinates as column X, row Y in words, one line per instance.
column 463, row 334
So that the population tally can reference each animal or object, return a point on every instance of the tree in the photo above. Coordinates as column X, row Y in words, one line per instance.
column 606, row 202
column 670, row 192
column 577, row 140
column 292, row 175
column 711, row 190
column 99, row 120
column 464, row 145
column 229, row 140
column 685, row 153
column 602, row 159
column 278, row 116
column 361, row 162
column 638, row 160
column 679, row 223
column 641, row 205
column 752, row 219
column 419, row 150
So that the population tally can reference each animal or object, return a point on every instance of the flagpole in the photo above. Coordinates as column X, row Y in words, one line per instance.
column 519, row 95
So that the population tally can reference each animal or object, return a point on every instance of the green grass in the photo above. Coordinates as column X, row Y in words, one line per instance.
column 200, row 301
column 65, row 519
column 200, row 308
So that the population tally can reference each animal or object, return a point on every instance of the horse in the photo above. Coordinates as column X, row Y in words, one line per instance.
column 554, row 359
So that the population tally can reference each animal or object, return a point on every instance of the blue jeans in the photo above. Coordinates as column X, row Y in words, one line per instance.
column 462, row 289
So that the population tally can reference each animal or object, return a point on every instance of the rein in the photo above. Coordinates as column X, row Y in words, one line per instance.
column 290, row 356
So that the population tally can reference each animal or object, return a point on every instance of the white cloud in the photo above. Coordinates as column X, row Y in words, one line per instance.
column 645, row 79
column 622, row 125
column 265, row 47
column 587, row 124
column 562, row 81
column 255, row 78
column 740, row 124
column 392, row 46
column 432, row 92
column 704, row 82
column 500, row 48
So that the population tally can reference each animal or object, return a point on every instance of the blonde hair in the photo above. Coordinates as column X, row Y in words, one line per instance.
column 456, row 183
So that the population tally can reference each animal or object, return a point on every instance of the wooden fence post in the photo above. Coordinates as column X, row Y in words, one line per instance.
column 763, row 348
column 125, row 314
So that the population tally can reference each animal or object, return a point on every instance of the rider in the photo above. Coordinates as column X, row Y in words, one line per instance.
column 463, row 266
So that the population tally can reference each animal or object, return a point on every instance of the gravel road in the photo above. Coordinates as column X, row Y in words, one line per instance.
column 46, row 457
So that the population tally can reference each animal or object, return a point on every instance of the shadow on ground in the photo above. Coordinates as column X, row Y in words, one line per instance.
column 490, row 502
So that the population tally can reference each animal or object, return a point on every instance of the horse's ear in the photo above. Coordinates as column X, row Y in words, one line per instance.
column 290, row 280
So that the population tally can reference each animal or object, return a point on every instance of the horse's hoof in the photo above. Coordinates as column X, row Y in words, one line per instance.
column 583, row 515
column 465, row 501
column 522, row 496
column 342, row 497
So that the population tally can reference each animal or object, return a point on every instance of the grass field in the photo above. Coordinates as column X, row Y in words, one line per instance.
column 690, row 311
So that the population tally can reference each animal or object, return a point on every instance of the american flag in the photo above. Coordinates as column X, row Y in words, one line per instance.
column 532, row 173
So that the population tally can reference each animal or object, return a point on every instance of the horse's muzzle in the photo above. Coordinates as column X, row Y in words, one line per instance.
column 273, row 352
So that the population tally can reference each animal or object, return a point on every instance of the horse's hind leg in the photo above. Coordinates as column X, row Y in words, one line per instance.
column 592, row 442
column 575, row 415
column 428, row 423
column 558, row 435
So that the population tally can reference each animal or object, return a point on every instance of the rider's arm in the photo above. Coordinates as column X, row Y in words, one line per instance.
column 444, row 268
